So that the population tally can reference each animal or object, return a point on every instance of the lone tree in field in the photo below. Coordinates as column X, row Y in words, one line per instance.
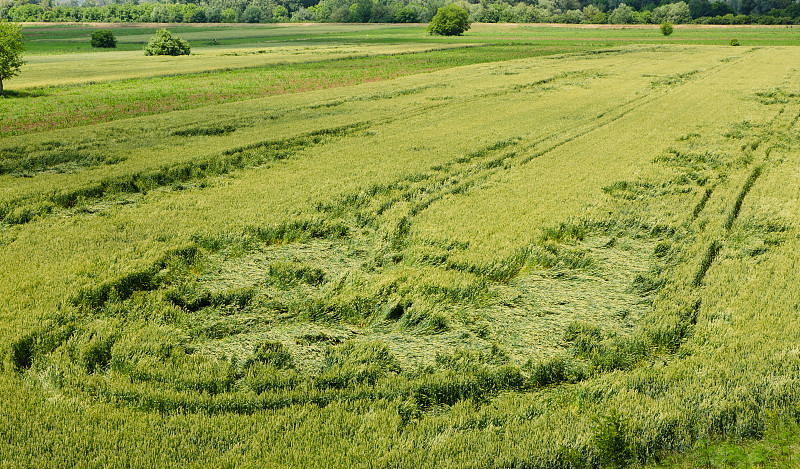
column 104, row 38
column 164, row 43
column 666, row 28
column 10, row 50
column 451, row 20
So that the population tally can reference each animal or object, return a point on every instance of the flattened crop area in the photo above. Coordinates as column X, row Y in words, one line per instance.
column 572, row 260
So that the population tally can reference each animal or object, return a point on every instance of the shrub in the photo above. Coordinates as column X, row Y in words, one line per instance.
column 164, row 43
column 103, row 38
column 734, row 42
column 666, row 28
column 450, row 20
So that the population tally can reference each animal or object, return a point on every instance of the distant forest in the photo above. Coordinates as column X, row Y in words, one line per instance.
column 405, row 11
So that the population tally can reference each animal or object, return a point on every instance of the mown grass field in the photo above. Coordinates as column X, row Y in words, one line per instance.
column 334, row 246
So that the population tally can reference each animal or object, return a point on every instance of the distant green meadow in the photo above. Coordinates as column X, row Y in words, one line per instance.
column 363, row 246
column 248, row 62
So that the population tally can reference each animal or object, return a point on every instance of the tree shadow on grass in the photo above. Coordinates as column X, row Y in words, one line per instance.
column 32, row 93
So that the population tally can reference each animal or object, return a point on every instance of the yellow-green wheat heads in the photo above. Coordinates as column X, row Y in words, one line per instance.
column 451, row 20
column 11, row 49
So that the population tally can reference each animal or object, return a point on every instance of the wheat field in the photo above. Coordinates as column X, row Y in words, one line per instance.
column 574, row 260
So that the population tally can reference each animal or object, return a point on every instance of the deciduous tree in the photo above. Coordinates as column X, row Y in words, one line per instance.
column 103, row 38
column 164, row 43
column 451, row 20
column 11, row 49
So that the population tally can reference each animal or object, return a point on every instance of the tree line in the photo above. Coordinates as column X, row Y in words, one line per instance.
column 405, row 11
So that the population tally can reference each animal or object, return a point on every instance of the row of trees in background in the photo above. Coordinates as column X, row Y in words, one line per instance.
column 405, row 11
